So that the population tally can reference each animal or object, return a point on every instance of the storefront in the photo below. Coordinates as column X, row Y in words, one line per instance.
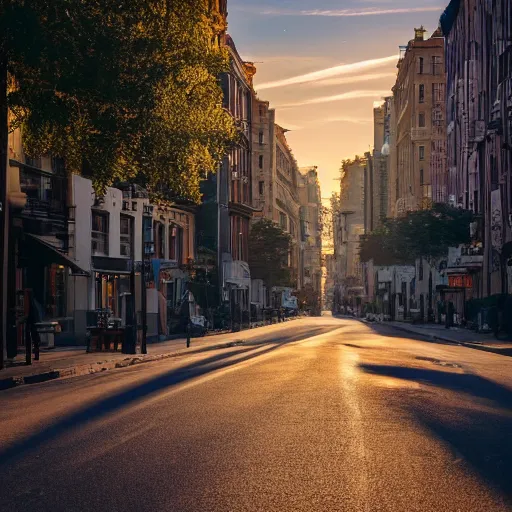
column 171, row 284
column 43, row 271
column 112, row 283
column 237, row 290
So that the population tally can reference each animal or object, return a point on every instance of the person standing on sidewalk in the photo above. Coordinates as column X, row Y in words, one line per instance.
column 34, row 317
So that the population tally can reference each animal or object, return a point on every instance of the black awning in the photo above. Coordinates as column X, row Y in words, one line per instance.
column 41, row 251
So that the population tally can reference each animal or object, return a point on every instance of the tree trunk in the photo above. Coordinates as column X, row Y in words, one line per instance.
column 4, row 217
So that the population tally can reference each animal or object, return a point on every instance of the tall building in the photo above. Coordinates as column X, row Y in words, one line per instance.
column 310, row 229
column 286, row 207
column 263, row 158
column 224, row 217
column 276, row 179
column 479, row 105
column 348, row 227
column 419, row 138
column 377, row 170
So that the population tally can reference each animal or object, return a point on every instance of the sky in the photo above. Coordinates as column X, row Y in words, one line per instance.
column 323, row 64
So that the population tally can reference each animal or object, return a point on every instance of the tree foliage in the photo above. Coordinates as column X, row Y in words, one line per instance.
column 120, row 90
column 425, row 233
column 269, row 247
column 309, row 298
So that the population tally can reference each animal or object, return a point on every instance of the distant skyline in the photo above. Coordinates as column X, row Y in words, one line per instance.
column 323, row 65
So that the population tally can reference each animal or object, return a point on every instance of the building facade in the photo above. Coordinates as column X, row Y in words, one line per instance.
column 224, row 217
column 479, row 105
column 419, row 116
column 377, row 171
column 310, row 264
column 348, row 227
column 40, row 244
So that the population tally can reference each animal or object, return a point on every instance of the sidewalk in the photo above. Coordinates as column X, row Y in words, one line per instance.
column 67, row 362
column 71, row 362
column 458, row 336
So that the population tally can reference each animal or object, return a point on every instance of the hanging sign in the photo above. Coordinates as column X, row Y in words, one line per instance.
column 460, row 281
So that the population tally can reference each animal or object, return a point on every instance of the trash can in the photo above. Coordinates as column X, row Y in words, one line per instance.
column 47, row 332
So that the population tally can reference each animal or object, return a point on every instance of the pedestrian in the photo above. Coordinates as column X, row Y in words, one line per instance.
column 34, row 317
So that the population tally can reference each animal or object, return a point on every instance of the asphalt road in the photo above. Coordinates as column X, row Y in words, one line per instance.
column 315, row 415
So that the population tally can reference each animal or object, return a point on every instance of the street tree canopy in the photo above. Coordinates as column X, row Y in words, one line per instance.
column 121, row 90
column 427, row 233
column 269, row 247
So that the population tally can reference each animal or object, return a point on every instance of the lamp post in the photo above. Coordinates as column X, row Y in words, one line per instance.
column 147, row 248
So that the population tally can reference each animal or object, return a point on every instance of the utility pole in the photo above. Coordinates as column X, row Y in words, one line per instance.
column 143, row 345
column 4, row 209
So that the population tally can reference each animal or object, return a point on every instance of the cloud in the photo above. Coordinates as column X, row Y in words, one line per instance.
column 347, row 119
column 343, row 69
column 338, row 97
column 353, row 79
column 346, row 13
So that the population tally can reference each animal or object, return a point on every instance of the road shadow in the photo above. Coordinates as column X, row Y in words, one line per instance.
column 136, row 393
column 477, row 426
column 388, row 331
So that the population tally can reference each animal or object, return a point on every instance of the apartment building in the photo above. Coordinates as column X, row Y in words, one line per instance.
column 419, row 117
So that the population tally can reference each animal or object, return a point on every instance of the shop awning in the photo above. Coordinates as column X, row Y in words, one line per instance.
column 48, row 254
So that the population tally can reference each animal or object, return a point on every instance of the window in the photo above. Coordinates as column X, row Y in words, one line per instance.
column 99, row 234
column 421, row 177
column 436, row 65
column 175, row 243
column 421, row 120
column 262, row 111
column 260, row 162
column 261, row 138
column 55, row 291
column 421, row 65
column 420, row 273
column 33, row 161
column 422, row 152
column 438, row 93
column 283, row 221
column 147, row 233
column 422, row 93
column 126, row 239
column 159, row 234
column 261, row 187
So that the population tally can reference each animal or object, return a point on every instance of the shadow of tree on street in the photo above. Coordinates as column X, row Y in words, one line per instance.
column 476, row 421
column 133, row 394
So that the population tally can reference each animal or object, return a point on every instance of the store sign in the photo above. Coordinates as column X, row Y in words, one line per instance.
column 460, row 281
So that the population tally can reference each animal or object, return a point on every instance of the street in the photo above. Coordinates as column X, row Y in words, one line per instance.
column 319, row 414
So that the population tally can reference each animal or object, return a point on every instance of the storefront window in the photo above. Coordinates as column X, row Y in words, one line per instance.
column 110, row 288
column 55, row 291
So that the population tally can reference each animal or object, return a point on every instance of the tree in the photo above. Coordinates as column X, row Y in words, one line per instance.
column 269, row 247
column 122, row 91
column 309, row 298
column 427, row 233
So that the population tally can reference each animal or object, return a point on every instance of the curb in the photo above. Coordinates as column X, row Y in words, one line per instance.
column 507, row 352
column 92, row 368
column 103, row 366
